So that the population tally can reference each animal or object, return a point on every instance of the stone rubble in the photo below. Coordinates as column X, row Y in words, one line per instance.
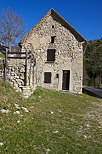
column 4, row 111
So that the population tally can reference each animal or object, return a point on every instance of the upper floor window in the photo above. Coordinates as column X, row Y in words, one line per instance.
column 52, row 39
column 51, row 54
column 57, row 75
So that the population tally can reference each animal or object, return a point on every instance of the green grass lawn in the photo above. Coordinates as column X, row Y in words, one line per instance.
column 57, row 123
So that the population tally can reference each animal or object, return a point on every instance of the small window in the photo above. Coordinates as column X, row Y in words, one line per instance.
column 51, row 54
column 57, row 75
column 52, row 26
column 52, row 39
column 47, row 77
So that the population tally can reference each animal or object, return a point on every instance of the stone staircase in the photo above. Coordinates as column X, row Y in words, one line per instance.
column 27, row 90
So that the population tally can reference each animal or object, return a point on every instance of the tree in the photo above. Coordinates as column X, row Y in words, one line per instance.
column 93, row 62
column 12, row 27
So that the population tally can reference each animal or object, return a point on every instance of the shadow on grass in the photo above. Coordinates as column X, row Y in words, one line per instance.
column 90, row 93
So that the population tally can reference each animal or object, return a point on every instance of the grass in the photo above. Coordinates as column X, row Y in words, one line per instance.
column 56, row 123
column 2, row 56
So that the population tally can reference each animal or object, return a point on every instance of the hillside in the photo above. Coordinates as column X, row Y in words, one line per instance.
column 93, row 64
column 49, row 122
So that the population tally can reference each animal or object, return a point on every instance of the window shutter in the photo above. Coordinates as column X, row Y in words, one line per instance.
column 47, row 77
column 51, row 55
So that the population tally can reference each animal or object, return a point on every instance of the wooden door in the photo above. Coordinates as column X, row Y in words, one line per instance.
column 66, row 80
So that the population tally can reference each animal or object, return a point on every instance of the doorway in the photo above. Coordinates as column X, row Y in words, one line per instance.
column 66, row 80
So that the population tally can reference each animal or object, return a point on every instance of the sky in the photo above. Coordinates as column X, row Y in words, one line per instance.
column 84, row 15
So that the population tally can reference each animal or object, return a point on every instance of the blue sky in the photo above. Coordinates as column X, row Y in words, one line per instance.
column 84, row 15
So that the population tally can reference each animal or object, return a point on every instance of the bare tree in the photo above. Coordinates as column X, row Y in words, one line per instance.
column 12, row 27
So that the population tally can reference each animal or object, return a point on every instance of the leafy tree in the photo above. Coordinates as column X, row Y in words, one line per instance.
column 93, row 62
column 12, row 27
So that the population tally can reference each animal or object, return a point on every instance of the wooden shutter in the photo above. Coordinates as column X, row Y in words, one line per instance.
column 47, row 77
column 51, row 55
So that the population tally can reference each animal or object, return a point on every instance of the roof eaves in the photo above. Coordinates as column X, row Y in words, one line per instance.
column 75, row 32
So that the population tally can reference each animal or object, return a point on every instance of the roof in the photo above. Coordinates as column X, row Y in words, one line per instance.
column 54, row 14
column 13, row 48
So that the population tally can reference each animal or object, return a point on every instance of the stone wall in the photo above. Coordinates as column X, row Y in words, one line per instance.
column 1, row 67
column 16, row 75
column 68, row 56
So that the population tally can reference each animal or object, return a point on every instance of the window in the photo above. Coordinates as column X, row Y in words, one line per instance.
column 52, row 26
column 47, row 77
column 57, row 75
column 51, row 54
column 52, row 39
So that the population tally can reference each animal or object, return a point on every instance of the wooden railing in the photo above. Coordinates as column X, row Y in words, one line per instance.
column 19, row 55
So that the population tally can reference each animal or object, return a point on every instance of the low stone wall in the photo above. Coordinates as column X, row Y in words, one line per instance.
column 16, row 76
column 1, row 68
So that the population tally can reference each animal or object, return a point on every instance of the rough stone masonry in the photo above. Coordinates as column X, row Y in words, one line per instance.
column 58, row 49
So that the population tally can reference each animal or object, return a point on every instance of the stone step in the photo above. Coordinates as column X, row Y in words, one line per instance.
column 27, row 90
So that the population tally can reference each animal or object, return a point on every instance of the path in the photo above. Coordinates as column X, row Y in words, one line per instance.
column 96, row 91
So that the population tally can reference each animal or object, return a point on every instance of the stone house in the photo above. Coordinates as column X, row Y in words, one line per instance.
column 58, row 49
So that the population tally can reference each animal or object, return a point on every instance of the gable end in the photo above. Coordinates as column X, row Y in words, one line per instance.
column 59, row 19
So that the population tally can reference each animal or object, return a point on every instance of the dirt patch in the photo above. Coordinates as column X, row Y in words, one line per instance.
column 95, row 112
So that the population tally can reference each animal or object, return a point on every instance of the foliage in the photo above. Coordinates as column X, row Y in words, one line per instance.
column 56, row 122
column 93, row 61
column 12, row 27
column 2, row 56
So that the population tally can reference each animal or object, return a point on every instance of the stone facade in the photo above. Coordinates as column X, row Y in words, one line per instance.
column 69, row 46
column 56, row 57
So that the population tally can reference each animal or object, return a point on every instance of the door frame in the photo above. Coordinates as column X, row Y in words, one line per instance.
column 61, row 79
column 64, row 80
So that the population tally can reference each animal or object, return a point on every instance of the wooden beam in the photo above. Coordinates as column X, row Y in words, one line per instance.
column 5, row 65
column 30, row 73
column 18, row 53
column 26, row 67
